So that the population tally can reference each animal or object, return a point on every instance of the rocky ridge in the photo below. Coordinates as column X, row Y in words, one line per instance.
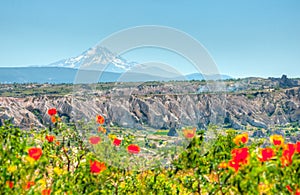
column 262, row 109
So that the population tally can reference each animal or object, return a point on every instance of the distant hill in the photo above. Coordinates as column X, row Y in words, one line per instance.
column 37, row 75
column 68, row 75
column 197, row 76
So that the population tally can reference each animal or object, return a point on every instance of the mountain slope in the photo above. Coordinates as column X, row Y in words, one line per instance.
column 96, row 56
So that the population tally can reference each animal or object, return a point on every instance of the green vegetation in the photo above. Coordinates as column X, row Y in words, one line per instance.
column 23, row 90
column 161, row 132
column 250, row 96
column 246, row 85
column 69, row 159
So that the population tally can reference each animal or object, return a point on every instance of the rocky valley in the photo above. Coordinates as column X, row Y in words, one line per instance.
column 252, row 102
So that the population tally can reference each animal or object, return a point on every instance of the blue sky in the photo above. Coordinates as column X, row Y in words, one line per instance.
column 245, row 38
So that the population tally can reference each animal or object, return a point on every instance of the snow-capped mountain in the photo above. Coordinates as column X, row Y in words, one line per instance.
column 113, row 67
column 96, row 57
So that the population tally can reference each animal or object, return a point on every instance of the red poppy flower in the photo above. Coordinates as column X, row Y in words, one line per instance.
column 298, row 192
column 240, row 155
column 133, row 149
column 241, row 138
column 189, row 133
column 233, row 164
column 53, row 119
column 287, row 154
column 298, row 146
column 117, row 142
column 100, row 119
column 101, row 129
column 35, row 153
column 95, row 140
column 46, row 191
column 277, row 140
column 291, row 148
column 52, row 111
column 289, row 188
column 266, row 154
column 10, row 184
column 28, row 185
column 50, row 138
column 244, row 139
column 97, row 167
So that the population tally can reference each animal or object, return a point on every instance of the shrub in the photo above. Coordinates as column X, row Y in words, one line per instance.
column 58, row 160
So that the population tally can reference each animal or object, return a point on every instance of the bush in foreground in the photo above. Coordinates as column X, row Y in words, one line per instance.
column 57, row 161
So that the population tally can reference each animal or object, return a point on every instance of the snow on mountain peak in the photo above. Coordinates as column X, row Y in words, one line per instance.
column 96, row 56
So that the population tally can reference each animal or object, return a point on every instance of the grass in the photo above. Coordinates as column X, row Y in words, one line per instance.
column 161, row 132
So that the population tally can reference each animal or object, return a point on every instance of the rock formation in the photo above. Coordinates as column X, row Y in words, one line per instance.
column 162, row 111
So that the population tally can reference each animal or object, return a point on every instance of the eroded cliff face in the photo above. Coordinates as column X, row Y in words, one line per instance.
column 259, row 109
